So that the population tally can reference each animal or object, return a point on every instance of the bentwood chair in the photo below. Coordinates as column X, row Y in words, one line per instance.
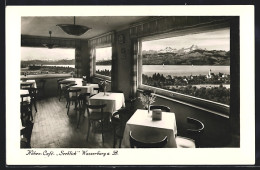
column 96, row 116
column 33, row 95
column 118, row 120
column 193, row 139
column 72, row 96
column 135, row 143
column 58, row 85
column 25, row 108
column 63, row 88
column 162, row 107
column 82, row 101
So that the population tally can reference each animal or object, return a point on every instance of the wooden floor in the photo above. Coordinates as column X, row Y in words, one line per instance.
column 53, row 128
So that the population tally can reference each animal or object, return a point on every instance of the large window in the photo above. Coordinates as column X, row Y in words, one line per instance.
column 194, row 64
column 103, row 61
column 47, row 61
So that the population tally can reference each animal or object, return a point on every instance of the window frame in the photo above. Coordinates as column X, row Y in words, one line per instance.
column 100, row 76
column 211, row 106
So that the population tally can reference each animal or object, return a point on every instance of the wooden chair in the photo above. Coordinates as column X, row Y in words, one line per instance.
column 25, row 108
column 33, row 95
column 135, row 143
column 97, row 117
column 118, row 120
column 41, row 87
column 58, row 85
column 72, row 98
column 82, row 101
column 193, row 139
column 162, row 107
column 63, row 89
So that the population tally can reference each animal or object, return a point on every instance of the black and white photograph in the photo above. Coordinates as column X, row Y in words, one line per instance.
column 130, row 88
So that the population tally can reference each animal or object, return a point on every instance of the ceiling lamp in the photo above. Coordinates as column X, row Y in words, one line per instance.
column 73, row 29
column 50, row 45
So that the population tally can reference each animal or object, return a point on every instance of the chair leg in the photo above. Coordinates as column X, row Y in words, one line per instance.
column 34, row 103
column 79, row 119
column 88, row 129
column 102, row 122
column 68, row 108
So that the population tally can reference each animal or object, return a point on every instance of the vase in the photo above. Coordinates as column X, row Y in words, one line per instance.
column 105, row 90
column 148, row 108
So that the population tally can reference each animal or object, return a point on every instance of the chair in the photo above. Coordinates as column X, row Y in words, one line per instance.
column 118, row 120
column 162, row 107
column 96, row 117
column 63, row 88
column 33, row 95
column 193, row 140
column 26, row 134
column 72, row 98
column 82, row 101
column 25, row 108
column 58, row 85
column 135, row 143
column 41, row 87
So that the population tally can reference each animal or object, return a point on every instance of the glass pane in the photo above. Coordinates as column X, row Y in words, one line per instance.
column 193, row 64
column 103, row 61
column 47, row 61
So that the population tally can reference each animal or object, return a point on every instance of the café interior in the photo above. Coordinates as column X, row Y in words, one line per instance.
column 87, row 109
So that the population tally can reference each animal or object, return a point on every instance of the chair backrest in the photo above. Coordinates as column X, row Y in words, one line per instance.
column 82, row 100
column 75, row 91
column 195, row 133
column 32, row 92
column 120, row 117
column 135, row 143
column 162, row 107
column 96, row 107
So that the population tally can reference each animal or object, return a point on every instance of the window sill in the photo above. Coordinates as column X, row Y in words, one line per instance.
column 202, row 104
column 102, row 77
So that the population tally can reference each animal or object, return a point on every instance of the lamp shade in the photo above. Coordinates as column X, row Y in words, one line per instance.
column 72, row 29
column 50, row 45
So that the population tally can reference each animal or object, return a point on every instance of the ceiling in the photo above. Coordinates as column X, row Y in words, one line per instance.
column 40, row 26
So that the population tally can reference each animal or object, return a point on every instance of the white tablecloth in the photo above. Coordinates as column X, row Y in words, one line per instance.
column 25, row 98
column 151, row 130
column 89, row 88
column 33, row 82
column 114, row 101
column 77, row 81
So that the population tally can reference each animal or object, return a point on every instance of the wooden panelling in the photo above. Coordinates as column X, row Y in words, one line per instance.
column 157, row 25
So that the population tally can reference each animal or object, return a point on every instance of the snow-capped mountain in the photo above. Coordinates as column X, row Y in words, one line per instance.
column 182, row 50
column 167, row 50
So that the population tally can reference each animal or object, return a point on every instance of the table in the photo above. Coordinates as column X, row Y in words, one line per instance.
column 25, row 92
column 153, row 130
column 89, row 88
column 33, row 82
column 77, row 81
column 113, row 100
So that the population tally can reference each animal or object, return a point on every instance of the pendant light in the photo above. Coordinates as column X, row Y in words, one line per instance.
column 73, row 29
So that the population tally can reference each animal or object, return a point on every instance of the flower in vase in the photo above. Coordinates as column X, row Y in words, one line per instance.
column 147, row 98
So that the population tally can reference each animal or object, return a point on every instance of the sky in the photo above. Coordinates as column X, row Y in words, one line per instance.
column 215, row 40
column 30, row 53
column 104, row 53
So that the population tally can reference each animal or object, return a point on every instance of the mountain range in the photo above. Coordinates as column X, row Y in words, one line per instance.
column 192, row 55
